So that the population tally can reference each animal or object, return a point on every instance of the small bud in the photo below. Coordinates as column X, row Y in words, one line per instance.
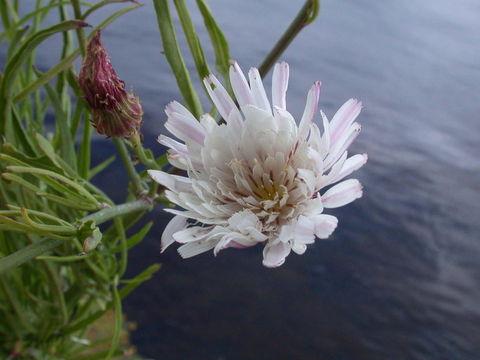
column 115, row 111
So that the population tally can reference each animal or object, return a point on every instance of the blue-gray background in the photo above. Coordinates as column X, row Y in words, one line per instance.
column 400, row 278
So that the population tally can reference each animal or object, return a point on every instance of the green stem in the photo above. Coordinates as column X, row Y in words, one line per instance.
column 132, row 173
column 140, row 152
column 118, row 210
column 307, row 14
column 174, row 57
column 42, row 246
column 122, row 264
column 77, row 11
column 117, row 304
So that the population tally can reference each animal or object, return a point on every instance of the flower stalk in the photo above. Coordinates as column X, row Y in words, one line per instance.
column 307, row 14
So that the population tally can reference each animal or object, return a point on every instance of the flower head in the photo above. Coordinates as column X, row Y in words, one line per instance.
column 115, row 111
column 259, row 177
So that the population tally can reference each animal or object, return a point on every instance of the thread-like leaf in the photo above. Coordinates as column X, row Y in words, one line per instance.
column 174, row 57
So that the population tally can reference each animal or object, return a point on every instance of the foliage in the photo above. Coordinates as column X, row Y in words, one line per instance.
column 59, row 270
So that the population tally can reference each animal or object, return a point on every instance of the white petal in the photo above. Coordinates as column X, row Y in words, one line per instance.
column 173, row 182
column 195, row 248
column 177, row 161
column 233, row 240
column 194, row 215
column 194, row 233
column 176, row 107
column 342, row 144
column 304, row 230
column 242, row 220
column 335, row 170
column 299, row 248
column 324, row 225
column 314, row 206
column 240, row 87
column 344, row 117
column 351, row 164
column 176, row 224
column 223, row 102
column 280, row 85
column 310, row 110
column 285, row 122
column 183, row 126
column 178, row 147
column 326, row 133
column 258, row 91
column 308, row 177
column 274, row 254
column 208, row 122
column 342, row 193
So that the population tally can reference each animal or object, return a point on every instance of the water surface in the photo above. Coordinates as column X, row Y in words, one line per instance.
column 400, row 278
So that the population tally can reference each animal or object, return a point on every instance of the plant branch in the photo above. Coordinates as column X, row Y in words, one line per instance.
column 307, row 15
column 42, row 246
column 127, row 162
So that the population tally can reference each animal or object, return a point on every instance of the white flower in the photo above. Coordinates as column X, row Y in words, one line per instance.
column 257, row 178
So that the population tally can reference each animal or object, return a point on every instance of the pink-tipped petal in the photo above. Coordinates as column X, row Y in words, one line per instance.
column 342, row 194
column 174, row 145
column 274, row 255
column 258, row 91
column 223, row 102
column 342, row 145
column 326, row 131
column 351, row 164
column 310, row 111
column 176, row 107
column 304, row 230
column 344, row 117
column 182, row 125
column 172, row 182
column 194, row 233
column 195, row 248
column 176, row 224
column 240, row 86
column 324, row 225
column 280, row 85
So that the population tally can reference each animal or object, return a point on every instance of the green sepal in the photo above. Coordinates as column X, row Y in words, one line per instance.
column 89, row 235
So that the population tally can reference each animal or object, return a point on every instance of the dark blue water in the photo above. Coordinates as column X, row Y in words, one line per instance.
column 400, row 278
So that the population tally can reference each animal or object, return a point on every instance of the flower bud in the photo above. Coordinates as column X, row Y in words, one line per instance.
column 115, row 111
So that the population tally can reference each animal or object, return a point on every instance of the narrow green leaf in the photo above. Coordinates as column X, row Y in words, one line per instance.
column 124, row 291
column 62, row 133
column 26, row 253
column 100, row 167
column 99, row 5
column 47, row 175
column 135, row 239
column 71, row 258
column 192, row 39
column 21, row 181
column 71, row 203
column 84, row 156
column 49, row 151
column 21, row 134
column 219, row 42
column 13, row 65
column 174, row 57
column 117, row 305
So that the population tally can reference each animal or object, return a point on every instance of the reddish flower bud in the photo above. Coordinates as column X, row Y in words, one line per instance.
column 115, row 111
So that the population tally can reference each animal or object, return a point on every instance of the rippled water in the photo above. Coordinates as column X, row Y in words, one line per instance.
column 400, row 278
